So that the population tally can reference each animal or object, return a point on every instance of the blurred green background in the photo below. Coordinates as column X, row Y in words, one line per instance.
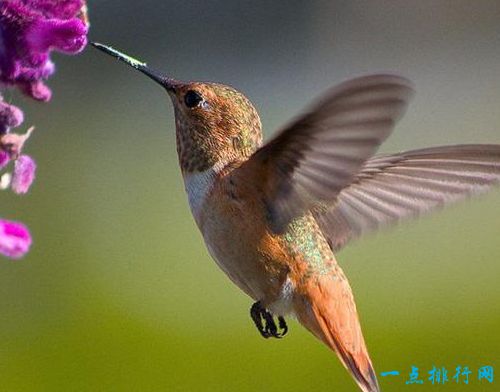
column 119, row 293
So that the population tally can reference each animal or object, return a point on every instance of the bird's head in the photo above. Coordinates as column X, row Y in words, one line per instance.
column 215, row 124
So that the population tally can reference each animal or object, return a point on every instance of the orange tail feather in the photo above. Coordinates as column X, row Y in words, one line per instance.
column 325, row 306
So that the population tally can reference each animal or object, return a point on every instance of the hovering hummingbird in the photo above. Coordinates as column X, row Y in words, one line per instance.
column 273, row 215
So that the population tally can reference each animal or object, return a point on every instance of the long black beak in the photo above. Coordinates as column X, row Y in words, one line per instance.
column 166, row 82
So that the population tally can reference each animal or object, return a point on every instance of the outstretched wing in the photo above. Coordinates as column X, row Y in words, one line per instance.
column 394, row 187
column 321, row 153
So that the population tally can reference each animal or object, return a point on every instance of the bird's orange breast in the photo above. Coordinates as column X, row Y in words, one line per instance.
column 234, row 226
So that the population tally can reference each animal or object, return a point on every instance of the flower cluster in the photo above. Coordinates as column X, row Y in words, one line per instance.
column 29, row 31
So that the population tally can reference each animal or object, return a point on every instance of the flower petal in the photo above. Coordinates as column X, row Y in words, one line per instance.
column 10, row 117
column 36, row 89
column 67, row 36
column 29, row 31
column 4, row 159
column 15, row 239
column 24, row 174
column 64, row 9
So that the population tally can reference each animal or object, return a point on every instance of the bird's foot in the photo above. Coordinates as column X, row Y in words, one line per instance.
column 264, row 321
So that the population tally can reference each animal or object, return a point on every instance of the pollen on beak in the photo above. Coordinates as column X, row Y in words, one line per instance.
column 168, row 83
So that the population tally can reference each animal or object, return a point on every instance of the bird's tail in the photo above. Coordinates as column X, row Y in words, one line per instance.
column 325, row 306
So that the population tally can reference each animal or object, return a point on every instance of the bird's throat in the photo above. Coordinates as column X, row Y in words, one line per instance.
column 198, row 185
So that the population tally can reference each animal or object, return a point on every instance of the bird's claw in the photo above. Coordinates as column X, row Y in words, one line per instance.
column 264, row 321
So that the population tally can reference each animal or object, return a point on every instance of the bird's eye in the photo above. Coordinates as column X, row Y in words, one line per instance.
column 192, row 99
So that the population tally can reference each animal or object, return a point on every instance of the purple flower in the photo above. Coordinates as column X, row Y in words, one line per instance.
column 15, row 239
column 24, row 174
column 62, row 9
column 4, row 159
column 10, row 117
column 29, row 31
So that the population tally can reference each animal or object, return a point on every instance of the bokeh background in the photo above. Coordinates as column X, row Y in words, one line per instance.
column 119, row 293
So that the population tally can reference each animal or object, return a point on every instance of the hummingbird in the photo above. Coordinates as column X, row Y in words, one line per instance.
column 274, row 215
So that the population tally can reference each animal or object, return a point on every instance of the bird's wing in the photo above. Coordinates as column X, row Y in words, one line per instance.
column 394, row 187
column 320, row 153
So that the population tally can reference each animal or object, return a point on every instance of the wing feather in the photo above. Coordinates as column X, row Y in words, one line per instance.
column 321, row 153
column 395, row 187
